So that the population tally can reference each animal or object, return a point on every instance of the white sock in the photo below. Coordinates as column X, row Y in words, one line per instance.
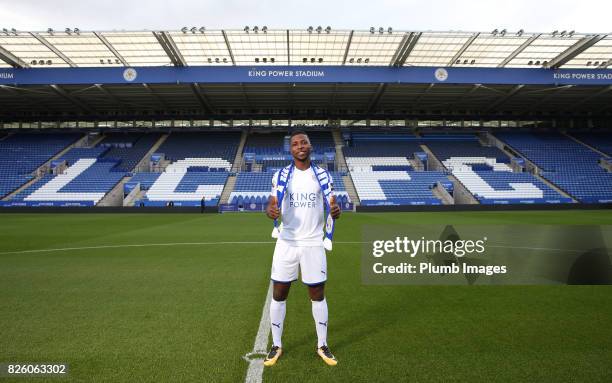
column 319, row 313
column 277, row 317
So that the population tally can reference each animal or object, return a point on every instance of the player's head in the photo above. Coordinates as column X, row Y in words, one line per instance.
column 300, row 145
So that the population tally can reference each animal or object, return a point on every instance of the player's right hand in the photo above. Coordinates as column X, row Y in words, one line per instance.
column 272, row 211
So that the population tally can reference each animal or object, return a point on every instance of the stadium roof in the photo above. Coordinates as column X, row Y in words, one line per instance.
column 313, row 46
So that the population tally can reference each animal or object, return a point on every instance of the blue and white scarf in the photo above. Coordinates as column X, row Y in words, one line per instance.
column 284, row 175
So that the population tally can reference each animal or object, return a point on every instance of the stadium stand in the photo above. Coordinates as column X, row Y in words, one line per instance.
column 270, row 151
column 397, row 187
column 600, row 141
column 128, row 148
column 484, row 171
column 199, row 169
column 87, row 179
column 380, row 167
column 22, row 154
column 571, row 166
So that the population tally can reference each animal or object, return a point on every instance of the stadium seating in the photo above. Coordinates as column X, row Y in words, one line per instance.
column 485, row 173
column 397, row 187
column 86, row 180
column 222, row 145
column 600, row 141
column 269, row 150
column 145, row 179
column 382, row 172
column 570, row 165
column 199, row 170
column 22, row 154
column 128, row 148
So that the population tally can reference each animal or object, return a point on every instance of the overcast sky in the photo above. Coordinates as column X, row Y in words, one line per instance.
column 438, row 15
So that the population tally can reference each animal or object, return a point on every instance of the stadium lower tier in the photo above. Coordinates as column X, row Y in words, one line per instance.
column 191, row 169
column 397, row 187
column 573, row 167
column 186, row 182
column 491, row 182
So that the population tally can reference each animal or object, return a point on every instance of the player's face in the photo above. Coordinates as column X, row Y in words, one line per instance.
column 300, row 147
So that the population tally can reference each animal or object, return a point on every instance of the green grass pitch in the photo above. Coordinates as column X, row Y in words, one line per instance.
column 189, row 312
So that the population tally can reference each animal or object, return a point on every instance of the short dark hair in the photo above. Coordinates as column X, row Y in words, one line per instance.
column 298, row 132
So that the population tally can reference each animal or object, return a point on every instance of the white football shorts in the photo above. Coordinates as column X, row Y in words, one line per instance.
column 310, row 260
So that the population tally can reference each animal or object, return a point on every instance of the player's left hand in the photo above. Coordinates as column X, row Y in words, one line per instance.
column 335, row 209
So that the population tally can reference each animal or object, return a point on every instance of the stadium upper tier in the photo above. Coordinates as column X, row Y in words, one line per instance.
column 259, row 45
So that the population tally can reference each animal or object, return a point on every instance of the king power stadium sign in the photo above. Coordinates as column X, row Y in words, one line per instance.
column 305, row 74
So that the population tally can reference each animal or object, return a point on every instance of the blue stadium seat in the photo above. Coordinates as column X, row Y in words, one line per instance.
column 571, row 166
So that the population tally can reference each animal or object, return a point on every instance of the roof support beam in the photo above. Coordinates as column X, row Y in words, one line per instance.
column 332, row 104
column 463, row 49
column 53, row 49
column 229, row 47
column 81, row 105
column 348, row 46
column 170, row 48
column 405, row 48
column 594, row 95
column 155, row 95
column 573, row 51
column 246, row 98
column 474, row 88
column 415, row 103
column 288, row 49
column 377, row 96
column 20, row 94
column 109, row 94
column 111, row 48
column 543, row 100
column 508, row 95
column 122, row 104
column 518, row 50
column 197, row 90
column 290, row 98
column 11, row 59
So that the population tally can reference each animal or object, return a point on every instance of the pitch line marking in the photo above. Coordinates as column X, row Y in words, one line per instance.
column 152, row 245
column 256, row 357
